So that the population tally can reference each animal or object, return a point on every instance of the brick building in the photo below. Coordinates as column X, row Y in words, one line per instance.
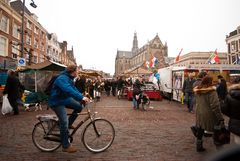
column 37, row 45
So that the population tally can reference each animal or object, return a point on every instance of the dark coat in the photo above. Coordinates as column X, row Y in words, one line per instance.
column 231, row 108
column 137, row 88
column 222, row 89
column 208, row 112
column 188, row 85
column 13, row 87
column 80, row 83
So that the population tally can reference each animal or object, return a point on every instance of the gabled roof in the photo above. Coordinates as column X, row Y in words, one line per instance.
column 156, row 39
column 17, row 6
column 126, row 54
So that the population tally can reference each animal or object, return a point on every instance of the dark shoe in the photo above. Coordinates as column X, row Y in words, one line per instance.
column 71, row 127
column 200, row 147
column 70, row 149
column 194, row 130
column 16, row 113
column 207, row 134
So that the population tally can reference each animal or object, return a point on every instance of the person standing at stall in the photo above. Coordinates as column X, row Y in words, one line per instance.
column 188, row 91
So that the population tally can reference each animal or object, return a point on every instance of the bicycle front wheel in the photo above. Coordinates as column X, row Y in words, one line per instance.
column 43, row 141
column 98, row 135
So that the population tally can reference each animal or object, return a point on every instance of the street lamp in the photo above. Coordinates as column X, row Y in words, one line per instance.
column 22, row 33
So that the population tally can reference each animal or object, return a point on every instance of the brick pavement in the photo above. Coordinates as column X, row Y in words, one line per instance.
column 159, row 134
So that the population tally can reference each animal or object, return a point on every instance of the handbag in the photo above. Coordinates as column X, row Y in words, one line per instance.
column 221, row 135
column 6, row 107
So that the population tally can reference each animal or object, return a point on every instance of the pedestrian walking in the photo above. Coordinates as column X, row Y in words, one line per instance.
column 231, row 108
column 136, row 93
column 198, row 81
column 113, row 85
column 208, row 112
column 221, row 88
column 13, row 89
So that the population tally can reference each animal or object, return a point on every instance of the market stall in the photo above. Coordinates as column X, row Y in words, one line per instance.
column 150, row 89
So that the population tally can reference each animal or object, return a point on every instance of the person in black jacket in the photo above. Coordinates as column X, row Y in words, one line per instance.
column 136, row 93
column 80, row 83
column 231, row 108
column 13, row 88
column 221, row 88
column 188, row 91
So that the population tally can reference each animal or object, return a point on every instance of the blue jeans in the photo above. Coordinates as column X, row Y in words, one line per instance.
column 134, row 102
column 64, row 121
column 189, row 99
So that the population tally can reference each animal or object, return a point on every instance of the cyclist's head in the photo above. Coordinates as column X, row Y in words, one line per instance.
column 72, row 70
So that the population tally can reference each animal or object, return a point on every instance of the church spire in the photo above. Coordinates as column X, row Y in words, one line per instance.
column 135, row 44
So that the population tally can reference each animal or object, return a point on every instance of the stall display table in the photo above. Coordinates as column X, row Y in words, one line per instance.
column 152, row 94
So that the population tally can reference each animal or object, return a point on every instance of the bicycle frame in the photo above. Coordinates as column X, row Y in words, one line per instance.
column 90, row 116
column 97, row 130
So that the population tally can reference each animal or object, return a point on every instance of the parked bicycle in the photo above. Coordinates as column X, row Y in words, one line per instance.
column 97, row 136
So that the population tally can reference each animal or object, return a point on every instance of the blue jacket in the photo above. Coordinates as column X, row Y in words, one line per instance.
column 63, row 90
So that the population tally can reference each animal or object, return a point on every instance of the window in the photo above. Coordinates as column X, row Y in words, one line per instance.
column 29, row 25
column 233, row 59
column 36, row 30
column 3, row 46
column 28, row 40
column 35, row 43
column 15, row 50
column 4, row 24
column 16, row 33
column 35, row 59
column 233, row 46
column 237, row 46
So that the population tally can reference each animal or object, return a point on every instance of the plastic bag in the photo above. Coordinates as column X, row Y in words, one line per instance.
column 6, row 107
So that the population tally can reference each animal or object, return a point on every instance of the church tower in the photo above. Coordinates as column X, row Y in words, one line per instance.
column 135, row 45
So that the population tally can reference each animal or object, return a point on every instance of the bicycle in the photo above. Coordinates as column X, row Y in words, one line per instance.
column 143, row 100
column 121, row 92
column 97, row 136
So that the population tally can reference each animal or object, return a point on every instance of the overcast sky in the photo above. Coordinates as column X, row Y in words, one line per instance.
column 97, row 28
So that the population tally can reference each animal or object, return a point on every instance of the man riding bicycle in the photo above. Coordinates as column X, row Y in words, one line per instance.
column 65, row 95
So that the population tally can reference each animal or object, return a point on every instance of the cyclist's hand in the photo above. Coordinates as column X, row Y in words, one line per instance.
column 86, row 99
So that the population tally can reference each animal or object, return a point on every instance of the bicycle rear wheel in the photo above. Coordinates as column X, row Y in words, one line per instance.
column 98, row 135
column 145, row 104
column 43, row 141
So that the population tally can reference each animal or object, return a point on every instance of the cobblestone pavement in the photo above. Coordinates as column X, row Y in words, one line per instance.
column 158, row 134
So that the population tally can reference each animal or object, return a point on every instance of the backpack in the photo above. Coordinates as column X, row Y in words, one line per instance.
column 48, row 89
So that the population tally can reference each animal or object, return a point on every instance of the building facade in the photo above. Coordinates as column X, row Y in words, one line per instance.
column 233, row 44
column 37, row 45
column 199, row 58
column 35, row 36
column 138, row 56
